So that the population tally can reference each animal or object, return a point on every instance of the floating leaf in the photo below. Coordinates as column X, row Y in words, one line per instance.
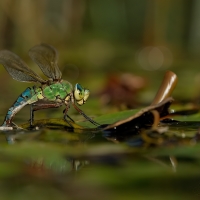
column 141, row 118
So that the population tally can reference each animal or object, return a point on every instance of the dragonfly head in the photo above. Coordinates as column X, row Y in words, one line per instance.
column 80, row 94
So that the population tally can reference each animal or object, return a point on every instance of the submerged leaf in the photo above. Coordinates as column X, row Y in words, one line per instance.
column 54, row 124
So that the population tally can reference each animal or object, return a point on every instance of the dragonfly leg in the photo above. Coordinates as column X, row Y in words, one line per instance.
column 39, row 106
column 67, row 116
column 84, row 115
column 31, row 115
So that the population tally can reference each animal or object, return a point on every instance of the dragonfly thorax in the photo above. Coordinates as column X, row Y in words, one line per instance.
column 80, row 94
column 57, row 90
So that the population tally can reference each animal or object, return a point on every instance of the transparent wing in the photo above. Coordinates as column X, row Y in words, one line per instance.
column 46, row 56
column 17, row 68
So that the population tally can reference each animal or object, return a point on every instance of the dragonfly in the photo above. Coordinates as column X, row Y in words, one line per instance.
column 51, row 93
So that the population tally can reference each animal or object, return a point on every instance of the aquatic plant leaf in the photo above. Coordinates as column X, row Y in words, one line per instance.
column 54, row 124
column 144, row 117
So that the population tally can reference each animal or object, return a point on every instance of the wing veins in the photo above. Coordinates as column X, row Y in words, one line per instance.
column 17, row 68
column 46, row 56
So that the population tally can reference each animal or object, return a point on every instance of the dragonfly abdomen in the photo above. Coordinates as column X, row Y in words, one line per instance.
column 26, row 97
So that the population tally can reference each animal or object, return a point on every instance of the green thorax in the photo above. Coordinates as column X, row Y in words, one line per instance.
column 55, row 90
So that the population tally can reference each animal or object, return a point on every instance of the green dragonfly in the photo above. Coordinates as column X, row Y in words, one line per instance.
column 51, row 93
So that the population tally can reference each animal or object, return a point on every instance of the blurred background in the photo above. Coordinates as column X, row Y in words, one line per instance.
column 108, row 44
column 135, row 24
column 120, row 50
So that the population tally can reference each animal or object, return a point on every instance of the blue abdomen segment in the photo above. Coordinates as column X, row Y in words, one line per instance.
column 27, row 94
column 18, row 105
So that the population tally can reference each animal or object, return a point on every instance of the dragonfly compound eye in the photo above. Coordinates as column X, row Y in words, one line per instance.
column 80, row 94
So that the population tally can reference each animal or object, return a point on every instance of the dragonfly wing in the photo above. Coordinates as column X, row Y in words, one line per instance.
column 46, row 57
column 17, row 68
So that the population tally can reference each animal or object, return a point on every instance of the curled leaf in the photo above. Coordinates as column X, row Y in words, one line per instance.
column 144, row 117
